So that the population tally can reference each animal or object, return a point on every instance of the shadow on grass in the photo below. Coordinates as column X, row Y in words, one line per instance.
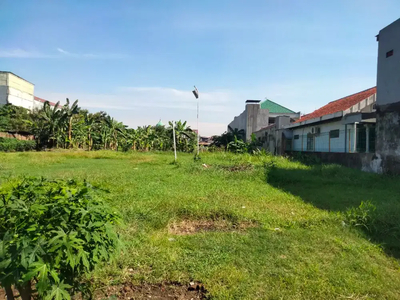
column 339, row 189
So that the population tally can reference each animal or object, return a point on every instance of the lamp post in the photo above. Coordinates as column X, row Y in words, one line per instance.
column 173, row 135
column 196, row 94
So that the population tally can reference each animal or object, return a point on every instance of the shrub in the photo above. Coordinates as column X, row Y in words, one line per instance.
column 51, row 234
column 363, row 215
column 12, row 145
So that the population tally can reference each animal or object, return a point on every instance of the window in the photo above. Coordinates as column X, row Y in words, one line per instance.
column 296, row 137
column 310, row 142
column 389, row 53
column 333, row 134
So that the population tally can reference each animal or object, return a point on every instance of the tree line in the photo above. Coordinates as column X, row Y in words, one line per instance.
column 69, row 126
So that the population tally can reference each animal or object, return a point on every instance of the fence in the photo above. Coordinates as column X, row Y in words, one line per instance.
column 361, row 141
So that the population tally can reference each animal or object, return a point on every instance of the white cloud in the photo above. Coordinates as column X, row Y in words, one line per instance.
column 91, row 55
column 19, row 53
column 63, row 51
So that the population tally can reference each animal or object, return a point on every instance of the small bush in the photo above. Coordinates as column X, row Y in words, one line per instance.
column 363, row 215
column 14, row 145
column 51, row 234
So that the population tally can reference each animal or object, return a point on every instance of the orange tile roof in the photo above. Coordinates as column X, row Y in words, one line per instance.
column 43, row 101
column 338, row 105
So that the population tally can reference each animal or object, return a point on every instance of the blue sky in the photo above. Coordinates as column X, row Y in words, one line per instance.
column 138, row 60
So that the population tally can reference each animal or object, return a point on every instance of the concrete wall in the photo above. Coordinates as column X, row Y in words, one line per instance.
column 388, row 77
column 253, row 118
column 388, row 99
column 366, row 162
column 3, row 88
column 388, row 140
column 257, row 118
column 239, row 122
column 272, row 136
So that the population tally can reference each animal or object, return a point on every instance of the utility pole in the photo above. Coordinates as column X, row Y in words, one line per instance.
column 173, row 135
column 196, row 94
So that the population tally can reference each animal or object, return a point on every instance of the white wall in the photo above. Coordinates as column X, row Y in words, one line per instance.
column 20, row 98
column 322, row 142
column 16, row 91
column 388, row 77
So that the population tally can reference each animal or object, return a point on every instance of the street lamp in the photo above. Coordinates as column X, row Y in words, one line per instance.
column 196, row 94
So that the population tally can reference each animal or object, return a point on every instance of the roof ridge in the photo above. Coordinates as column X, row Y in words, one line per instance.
column 339, row 104
column 352, row 94
column 266, row 99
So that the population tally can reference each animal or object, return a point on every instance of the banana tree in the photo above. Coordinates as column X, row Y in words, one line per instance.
column 69, row 112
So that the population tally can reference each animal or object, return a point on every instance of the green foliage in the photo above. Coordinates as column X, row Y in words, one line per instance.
column 13, row 145
column 298, row 249
column 237, row 146
column 307, row 159
column 233, row 141
column 52, row 232
column 14, row 118
column 363, row 215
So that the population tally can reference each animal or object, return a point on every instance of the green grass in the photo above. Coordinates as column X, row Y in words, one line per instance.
column 301, row 248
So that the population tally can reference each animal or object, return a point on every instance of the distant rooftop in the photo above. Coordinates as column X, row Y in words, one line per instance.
column 44, row 100
column 275, row 108
column 339, row 105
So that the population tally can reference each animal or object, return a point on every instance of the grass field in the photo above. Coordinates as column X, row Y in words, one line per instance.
column 247, row 227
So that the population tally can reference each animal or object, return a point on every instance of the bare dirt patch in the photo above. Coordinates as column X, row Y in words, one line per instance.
column 153, row 291
column 238, row 168
column 168, row 291
column 186, row 227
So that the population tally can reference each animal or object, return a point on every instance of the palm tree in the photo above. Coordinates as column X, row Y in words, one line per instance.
column 239, row 133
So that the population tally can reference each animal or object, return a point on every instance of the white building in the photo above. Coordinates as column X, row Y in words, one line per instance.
column 345, row 125
column 18, row 91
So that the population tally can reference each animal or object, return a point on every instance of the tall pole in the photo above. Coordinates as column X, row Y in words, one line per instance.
column 173, row 135
column 196, row 94
column 198, row 132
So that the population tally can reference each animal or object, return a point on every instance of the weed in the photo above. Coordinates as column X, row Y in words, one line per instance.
column 311, row 256
column 364, row 215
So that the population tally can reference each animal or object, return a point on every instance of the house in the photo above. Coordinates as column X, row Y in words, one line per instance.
column 344, row 125
column 258, row 115
column 19, row 92
column 388, row 99
column 275, row 138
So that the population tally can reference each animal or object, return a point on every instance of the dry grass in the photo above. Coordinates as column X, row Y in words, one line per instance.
column 186, row 227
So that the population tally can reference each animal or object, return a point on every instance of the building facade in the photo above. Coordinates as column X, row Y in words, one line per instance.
column 388, row 99
column 258, row 115
column 346, row 125
column 19, row 92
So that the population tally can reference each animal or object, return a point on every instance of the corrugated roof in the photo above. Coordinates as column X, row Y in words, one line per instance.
column 338, row 105
column 275, row 108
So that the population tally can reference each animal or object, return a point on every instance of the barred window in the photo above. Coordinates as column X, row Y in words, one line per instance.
column 334, row 134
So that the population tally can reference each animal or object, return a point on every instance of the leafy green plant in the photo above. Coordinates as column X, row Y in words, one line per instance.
column 13, row 145
column 52, row 232
column 237, row 146
column 363, row 215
